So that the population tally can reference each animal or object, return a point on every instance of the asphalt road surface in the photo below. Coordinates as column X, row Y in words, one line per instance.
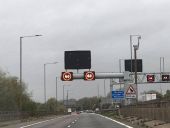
column 84, row 120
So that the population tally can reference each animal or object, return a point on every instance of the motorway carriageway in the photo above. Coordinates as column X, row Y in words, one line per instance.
column 83, row 120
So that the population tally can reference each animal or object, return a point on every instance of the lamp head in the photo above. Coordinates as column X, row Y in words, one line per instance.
column 139, row 37
column 55, row 62
column 38, row 35
column 136, row 47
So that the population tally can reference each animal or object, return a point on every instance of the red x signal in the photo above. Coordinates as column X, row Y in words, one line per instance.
column 89, row 75
column 150, row 78
column 67, row 76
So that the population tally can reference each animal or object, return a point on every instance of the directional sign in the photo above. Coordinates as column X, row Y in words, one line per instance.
column 89, row 75
column 67, row 76
column 130, row 93
column 117, row 94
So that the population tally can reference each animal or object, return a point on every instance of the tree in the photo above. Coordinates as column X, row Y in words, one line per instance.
column 88, row 103
column 13, row 96
column 51, row 105
column 167, row 95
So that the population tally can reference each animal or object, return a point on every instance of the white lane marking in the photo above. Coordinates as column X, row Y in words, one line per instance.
column 73, row 122
column 115, row 121
column 69, row 126
column 40, row 122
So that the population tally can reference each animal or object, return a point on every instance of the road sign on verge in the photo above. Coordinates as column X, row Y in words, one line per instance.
column 117, row 94
column 130, row 93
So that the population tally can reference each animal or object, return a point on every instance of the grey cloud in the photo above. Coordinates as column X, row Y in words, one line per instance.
column 100, row 26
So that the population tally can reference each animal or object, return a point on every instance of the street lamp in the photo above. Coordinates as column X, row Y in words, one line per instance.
column 105, row 88
column 67, row 98
column 97, row 90
column 56, row 89
column 136, row 47
column 162, row 61
column 64, row 92
column 131, row 36
column 21, row 62
column 21, row 54
column 120, row 65
column 120, row 70
column 45, row 79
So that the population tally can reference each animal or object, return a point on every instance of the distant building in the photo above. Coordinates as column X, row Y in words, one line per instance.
column 149, row 96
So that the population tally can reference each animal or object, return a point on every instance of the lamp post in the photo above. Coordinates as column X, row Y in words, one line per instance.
column 97, row 90
column 45, row 80
column 136, row 47
column 21, row 54
column 131, row 38
column 105, row 88
column 64, row 92
column 120, row 70
column 21, row 37
column 56, row 90
column 120, row 65
column 162, row 61
column 67, row 98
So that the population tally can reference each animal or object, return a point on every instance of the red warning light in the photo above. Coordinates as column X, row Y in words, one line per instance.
column 67, row 76
column 150, row 78
column 89, row 75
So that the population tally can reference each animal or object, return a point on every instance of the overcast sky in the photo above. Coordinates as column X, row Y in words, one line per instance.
column 102, row 26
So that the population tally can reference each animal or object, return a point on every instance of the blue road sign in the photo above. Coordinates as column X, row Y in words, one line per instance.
column 118, row 94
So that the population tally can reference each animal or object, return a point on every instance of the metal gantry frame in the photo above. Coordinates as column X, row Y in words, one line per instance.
column 142, row 77
column 105, row 75
column 126, row 78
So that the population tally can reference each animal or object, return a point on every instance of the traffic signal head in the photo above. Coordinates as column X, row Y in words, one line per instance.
column 150, row 78
column 89, row 75
column 165, row 78
column 67, row 76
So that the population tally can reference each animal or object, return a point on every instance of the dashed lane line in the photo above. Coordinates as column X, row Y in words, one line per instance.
column 40, row 122
column 68, row 126
column 72, row 123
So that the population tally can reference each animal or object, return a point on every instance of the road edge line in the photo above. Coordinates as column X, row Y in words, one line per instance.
column 40, row 122
column 115, row 121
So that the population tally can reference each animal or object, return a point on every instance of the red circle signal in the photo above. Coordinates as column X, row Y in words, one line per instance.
column 89, row 75
column 67, row 76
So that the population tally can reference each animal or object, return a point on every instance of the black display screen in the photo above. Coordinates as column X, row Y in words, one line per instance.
column 128, row 65
column 77, row 59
